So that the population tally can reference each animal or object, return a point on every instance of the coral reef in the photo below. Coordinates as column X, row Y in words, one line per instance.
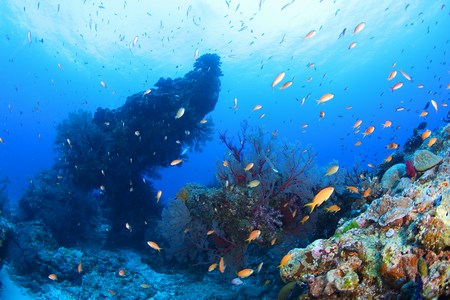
column 399, row 247
column 264, row 185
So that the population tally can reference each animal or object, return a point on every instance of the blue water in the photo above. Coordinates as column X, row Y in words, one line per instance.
column 87, row 42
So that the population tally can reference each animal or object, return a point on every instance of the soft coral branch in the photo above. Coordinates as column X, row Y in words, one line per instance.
column 235, row 150
column 295, row 176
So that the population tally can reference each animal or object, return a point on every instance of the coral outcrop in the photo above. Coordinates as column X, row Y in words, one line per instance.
column 109, row 157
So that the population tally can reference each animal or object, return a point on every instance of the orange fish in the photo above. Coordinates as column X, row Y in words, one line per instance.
column 248, row 167
column 388, row 159
column 431, row 142
column 112, row 292
column 397, row 86
column 321, row 114
column 352, row 45
column 387, row 124
column 333, row 208
column 222, row 265
column 320, row 197
column 425, row 134
column 253, row 235
column 352, row 189
column 80, row 267
column 392, row 146
column 53, row 277
column 357, row 124
column 358, row 143
column 369, row 130
column 212, row 267
column 423, row 114
column 256, row 107
column 278, row 79
column 304, row 219
column 367, row 193
column 392, row 75
column 294, row 213
column 122, row 273
column 359, row 27
column 245, row 273
column 285, row 260
column 225, row 163
column 325, row 98
column 154, row 246
column 310, row 34
column 272, row 242
column 176, row 162
column 210, row 232
column 286, row 85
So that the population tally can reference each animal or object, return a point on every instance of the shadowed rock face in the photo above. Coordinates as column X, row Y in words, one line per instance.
column 111, row 151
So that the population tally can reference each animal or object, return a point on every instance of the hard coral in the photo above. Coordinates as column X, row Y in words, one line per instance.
column 424, row 160
column 387, row 209
column 393, row 175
